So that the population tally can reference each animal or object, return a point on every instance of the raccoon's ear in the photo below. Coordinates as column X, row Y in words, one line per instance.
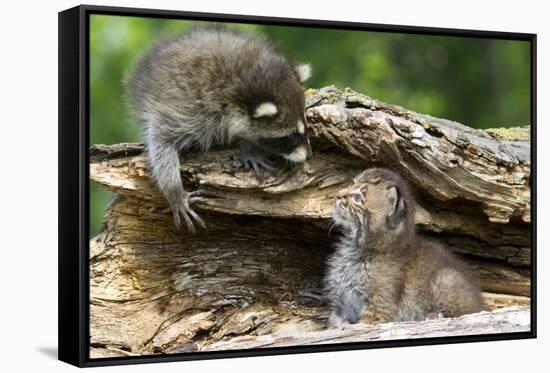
column 397, row 205
column 265, row 109
column 302, row 71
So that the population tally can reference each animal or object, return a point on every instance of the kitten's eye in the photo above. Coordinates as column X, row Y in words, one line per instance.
column 357, row 198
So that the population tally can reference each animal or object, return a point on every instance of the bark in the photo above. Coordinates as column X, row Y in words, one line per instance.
column 252, row 278
column 505, row 320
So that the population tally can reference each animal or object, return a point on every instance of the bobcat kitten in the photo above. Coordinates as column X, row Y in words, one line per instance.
column 215, row 86
column 382, row 270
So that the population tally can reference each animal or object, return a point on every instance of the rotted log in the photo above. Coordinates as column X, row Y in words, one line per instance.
column 256, row 270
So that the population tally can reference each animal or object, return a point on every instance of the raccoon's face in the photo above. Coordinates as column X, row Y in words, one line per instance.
column 278, row 122
column 283, row 132
column 372, row 205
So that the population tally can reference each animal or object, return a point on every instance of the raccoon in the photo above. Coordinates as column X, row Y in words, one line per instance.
column 382, row 270
column 214, row 86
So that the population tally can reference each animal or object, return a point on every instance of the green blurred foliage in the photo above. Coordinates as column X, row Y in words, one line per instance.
column 480, row 82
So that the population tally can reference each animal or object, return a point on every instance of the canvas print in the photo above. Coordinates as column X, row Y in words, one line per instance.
column 260, row 186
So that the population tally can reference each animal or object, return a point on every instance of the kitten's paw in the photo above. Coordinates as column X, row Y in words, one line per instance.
column 351, row 306
column 336, row 321
column 435, row 315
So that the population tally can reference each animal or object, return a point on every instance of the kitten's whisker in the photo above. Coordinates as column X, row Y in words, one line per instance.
column 326, row 222
column 330, row 229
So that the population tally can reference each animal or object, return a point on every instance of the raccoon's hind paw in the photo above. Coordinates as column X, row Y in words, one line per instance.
column 184, row 209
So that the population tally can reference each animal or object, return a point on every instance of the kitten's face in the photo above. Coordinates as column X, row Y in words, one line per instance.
column 348, row 210
column 371, row 204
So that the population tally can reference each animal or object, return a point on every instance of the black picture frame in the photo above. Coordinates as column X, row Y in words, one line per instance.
column 74, row 206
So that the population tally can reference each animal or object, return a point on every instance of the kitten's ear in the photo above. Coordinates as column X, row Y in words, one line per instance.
column 302, row 71
column 397, row 204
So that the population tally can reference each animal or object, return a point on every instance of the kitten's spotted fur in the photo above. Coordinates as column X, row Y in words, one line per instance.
column 382, row 270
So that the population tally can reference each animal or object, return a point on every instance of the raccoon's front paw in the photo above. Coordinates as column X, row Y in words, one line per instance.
column 257, row 161
column 183, row 208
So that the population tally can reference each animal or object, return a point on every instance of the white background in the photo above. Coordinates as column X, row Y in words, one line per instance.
column 28, row 182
